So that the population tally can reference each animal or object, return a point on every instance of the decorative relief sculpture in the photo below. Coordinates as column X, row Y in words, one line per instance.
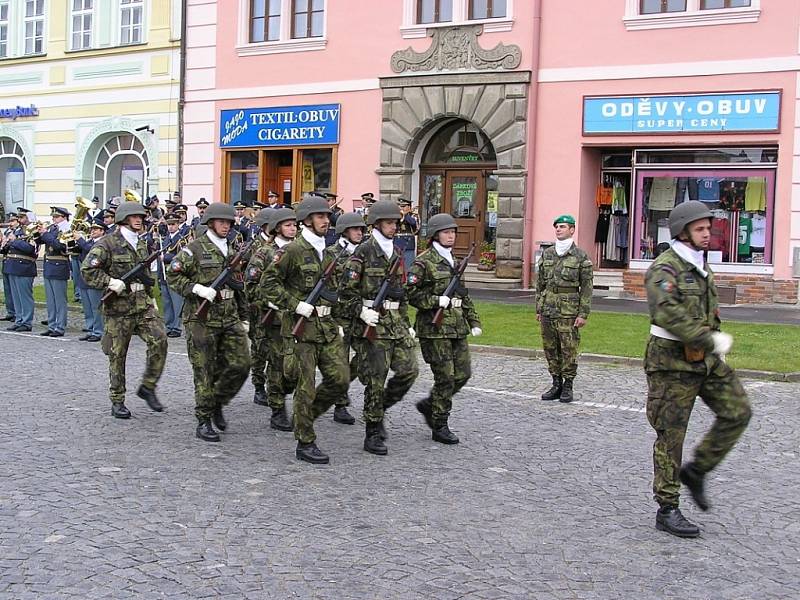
column 456, row 49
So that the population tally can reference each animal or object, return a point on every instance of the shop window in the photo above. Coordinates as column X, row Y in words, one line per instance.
column 487, row 9
column 307, row 18
column 265, row 20
column 81, row 24
column 243, row 169
column 317, row 168
column 659, row 14
column 131, row 21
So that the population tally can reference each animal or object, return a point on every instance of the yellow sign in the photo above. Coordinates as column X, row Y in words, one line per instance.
column 491, row 201
column 308, row 176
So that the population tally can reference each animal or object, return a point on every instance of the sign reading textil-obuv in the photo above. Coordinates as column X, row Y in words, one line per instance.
column 694, row 113
column 280, row 126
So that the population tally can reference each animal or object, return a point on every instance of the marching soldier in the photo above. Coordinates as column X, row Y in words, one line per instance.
column 444, row 347
column 171, row 300
column 563, row 302
column 270, row 345
column 131, row 309
column 90, row 297
column 13, row 223
column 217, row 346
column 56, row 272
column 394, row 346
column 20, row 265
column 685, row 358
column 286, row 283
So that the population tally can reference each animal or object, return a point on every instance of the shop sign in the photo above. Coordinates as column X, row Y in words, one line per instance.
column 19, row 111
column 280, row 126
column 696, row 113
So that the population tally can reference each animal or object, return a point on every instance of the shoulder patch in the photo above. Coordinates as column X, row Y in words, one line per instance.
column 278, row 255
column 667, row 286
column 253, row 273
column 175, row 266
column 412, row 279
column 669, row 269
column 95, row 262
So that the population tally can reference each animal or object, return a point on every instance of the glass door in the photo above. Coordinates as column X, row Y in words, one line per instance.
column 465, row 199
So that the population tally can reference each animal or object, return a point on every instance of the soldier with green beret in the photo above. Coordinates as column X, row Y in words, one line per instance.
column 563, row 302
column 685, row 358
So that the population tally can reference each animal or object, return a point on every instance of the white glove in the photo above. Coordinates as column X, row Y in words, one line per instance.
column 723, row 342
column 206, row 293
column 476, row 331
column 246, row 325
column 444, row 301
column 272, row 306
column 304, row 309
column 412, row 333
column 369, row 316
column 456, row 302
column 116, row 285
column 341, row 332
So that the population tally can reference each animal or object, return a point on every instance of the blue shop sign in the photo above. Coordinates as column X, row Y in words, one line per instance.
column 696, row 113
column 19, row 111
column 280, row 126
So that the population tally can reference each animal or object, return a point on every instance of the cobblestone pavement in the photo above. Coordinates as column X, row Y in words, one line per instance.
column 539, row 500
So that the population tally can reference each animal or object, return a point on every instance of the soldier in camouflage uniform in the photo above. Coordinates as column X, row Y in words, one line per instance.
column 217, row 347
column 130, row 310
column 444, row 347
column 685, row 358
column 394, row 346
column 563, row 302
column 350, row 228
column 274, row 347
column 286, row 283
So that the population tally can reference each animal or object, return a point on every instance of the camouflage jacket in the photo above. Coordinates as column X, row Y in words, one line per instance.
column 289, row 279
column 564, row 284
column 363, row 274
column 112, row 256
column 427, row 280
column 263, row 253
column 684, row 303
column 201, row 262
column 340, row 310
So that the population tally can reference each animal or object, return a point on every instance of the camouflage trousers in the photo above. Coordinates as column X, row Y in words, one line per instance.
column 282, row 367
column 375, row 360
column 220, row 363
column 560, row 340
column 670, row 399
column 149, row 326
column 259, row 350
column 309, row 401
column 450, row 364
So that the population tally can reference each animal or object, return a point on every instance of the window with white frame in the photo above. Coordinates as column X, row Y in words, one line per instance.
column 419, row 15
column 34, row 27
column 82, row 24
column 659, row 14
column 308, row 17
column 487, row 9
column 3, row 28
column 265, row 20
column 275, row 26
column 131, row 20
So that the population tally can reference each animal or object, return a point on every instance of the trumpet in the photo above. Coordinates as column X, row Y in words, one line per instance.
column 79, row 225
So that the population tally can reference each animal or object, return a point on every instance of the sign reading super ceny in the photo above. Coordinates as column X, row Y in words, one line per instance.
column 694, row 113
column 280, row 126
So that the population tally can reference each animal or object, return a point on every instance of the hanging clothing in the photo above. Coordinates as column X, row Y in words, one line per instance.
column 603, row 195
column 601, row 230
column 622, row 234
column 662, row 194
column 755, row 195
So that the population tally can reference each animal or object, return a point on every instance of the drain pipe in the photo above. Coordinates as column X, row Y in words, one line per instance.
column 527, row 239
column 181, row 100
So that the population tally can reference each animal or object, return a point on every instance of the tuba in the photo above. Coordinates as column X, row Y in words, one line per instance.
column 132, row 196
column 79, row 225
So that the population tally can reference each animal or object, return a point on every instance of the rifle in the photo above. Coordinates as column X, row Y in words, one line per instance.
column 315, row 294
column 223, row 278
column 454, row 283
column 383, row 291
column 136, row 273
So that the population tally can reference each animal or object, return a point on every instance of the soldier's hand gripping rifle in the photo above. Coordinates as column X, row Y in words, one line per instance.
column 225, row 277
column 453, row 286
column 137, row 273
column 383, row 292
column 319, row 291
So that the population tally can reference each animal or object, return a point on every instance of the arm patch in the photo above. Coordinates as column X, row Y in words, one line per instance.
column 670, row 270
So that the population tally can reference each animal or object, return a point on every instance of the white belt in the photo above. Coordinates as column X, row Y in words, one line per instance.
column 225, row 294
column 663, row 333
column 387, row 304
column 455, row 302
column 323, row 311
column 137, row 287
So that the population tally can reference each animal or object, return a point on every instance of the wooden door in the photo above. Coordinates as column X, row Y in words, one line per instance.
column 284, row 186
column 465, row 199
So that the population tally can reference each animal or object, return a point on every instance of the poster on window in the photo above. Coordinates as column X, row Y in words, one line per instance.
column 132, row 178
column 15, row 186
column 308, row 176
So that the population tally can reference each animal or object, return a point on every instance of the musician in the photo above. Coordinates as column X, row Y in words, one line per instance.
column 56, row 272
column 90, row 297
column 20, row 265
column 182, row 212
column 171, row 299
column 12, row 224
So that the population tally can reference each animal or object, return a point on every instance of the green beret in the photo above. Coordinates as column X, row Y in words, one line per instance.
column 568, row 219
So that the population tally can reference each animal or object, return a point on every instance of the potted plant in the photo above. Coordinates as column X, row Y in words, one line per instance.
column 488, row 257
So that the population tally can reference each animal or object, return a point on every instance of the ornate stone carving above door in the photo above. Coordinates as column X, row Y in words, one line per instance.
column 457, row 49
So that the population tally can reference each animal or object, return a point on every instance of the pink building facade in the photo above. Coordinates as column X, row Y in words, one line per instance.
column 507, row 113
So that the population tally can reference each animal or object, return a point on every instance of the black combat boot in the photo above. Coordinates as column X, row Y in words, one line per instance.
column 340, row 415
column 310, row 453
column 206, row 432
column 150, row 397
column 382, row 431
column 219, row 419
column 373, row 442
column 443, row 435
column 566, row 391
column 670, row 519
column 426, row 410
column 693, row 479
column 120, row 411
column 279, row 420
column 260, row 397
column 555, row 391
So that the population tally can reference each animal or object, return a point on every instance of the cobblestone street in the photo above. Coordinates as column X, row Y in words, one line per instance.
column 540, row 500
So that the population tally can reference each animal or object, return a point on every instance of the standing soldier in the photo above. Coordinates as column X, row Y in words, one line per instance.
column 130, row 310
column 201, row 206
column 56, row 273
column 406, row 238
column 20, row 265
column 286, row 283
column 270, row 346
column 563, row 302
column 350, row 228
column 272, row 201
column 171, row 299
column 336, row 212
column 444, row 346
column 108, row 217
column 217, row 347
column 393, row 346
column 685, row 358
column 90, row 297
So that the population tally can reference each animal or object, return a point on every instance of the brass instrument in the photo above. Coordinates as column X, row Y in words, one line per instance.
column 79, row 225
column 32, row 233
column 132, row 196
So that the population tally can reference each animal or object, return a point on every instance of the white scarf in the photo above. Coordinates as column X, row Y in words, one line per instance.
column 690, row 255
column 386, row 244
column 264, row 237
column 130, row 236
column 219, row 242
column 281, row 242
column 345, row 243
column 563, row 246
column 316, row 241
column 445, row 253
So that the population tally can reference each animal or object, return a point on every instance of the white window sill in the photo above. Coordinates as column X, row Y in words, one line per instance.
column 298, row 45
column 731, row 268
column 489, row 26
column 700, row 18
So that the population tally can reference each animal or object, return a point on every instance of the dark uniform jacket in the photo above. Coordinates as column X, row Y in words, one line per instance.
column 20, row 256
column 564, row 284
column 56, row 261
column 406, row 238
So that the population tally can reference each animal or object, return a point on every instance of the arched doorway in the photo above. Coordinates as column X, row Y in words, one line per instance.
column 456, row 178
column 121, row 164
column 12, row 175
